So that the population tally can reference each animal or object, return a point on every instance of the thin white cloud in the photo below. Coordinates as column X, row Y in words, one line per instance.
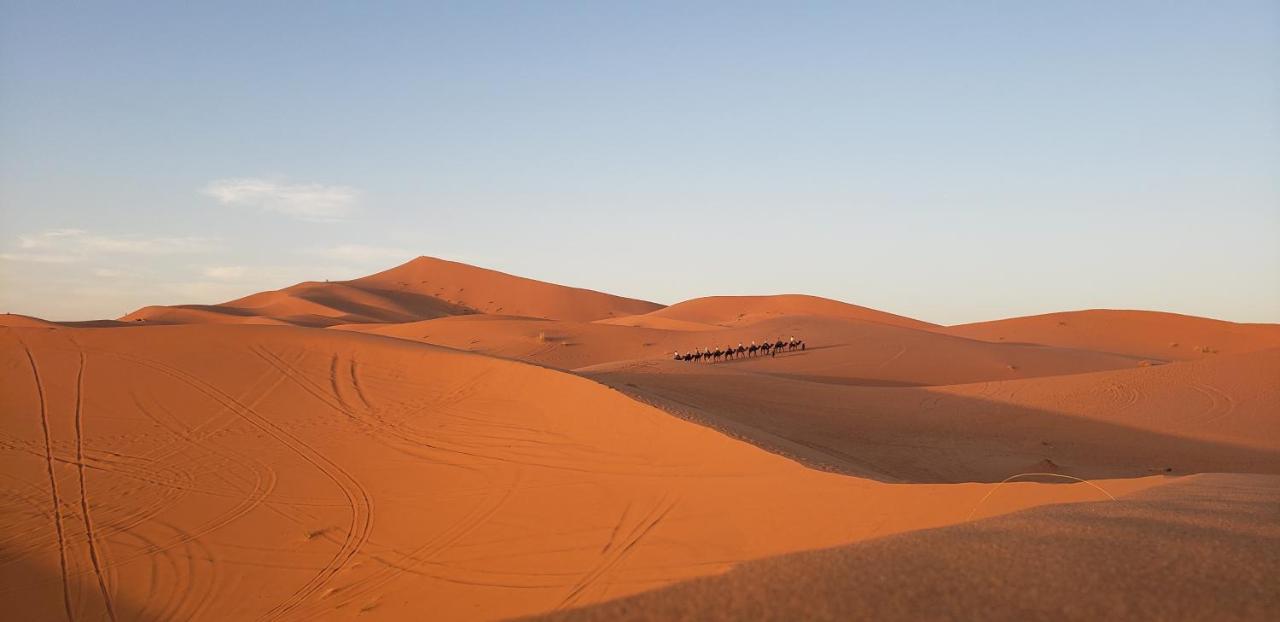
column 39, row 257
column 225, row 273
column 366, row 254
column 73, row 245
column 315, row 202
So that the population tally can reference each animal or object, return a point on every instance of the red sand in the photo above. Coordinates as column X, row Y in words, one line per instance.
column 253, row 464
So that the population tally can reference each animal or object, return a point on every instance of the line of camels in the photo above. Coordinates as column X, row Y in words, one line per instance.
column 730, row 352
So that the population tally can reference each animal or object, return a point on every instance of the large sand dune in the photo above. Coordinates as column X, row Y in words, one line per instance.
column 420, row 289
column 447, row 442
column 289, row 473
column 1221, row 414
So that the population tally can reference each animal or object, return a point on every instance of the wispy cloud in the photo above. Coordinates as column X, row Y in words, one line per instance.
column 314, row 202
column 365, row 254
column 225, row 273
column 72, row 245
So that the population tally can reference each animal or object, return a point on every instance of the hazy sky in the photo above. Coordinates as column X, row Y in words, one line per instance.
column 952, row 161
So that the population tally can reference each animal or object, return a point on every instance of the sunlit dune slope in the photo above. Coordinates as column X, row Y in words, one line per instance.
column 490, row 291
column 1150, row 334
column 742, row 310
column 843, row 351
column 648, row 320
column 1217, row 415
column 423, row 288
column 234, row 472
column 1202, row 548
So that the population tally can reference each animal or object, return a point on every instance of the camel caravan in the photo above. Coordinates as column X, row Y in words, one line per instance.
column 730, row 352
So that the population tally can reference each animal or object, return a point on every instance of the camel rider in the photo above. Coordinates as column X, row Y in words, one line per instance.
column 677, row 357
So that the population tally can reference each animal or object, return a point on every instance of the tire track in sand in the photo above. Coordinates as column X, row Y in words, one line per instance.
column 84, row 497
column 357, row 496
column 53, row 480
column 616, row 550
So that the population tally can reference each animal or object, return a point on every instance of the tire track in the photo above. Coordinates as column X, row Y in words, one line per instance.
column 53, row 480
column 355, row 382
column 357, row 495
column 84, row 497
column 616, row 551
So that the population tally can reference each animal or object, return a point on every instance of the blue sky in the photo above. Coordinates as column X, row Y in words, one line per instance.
column 950, row 161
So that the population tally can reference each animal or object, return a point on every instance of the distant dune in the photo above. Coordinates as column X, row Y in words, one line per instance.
column 423, row 288
column 743, row 310
column 447, row 439
column 1149, row 334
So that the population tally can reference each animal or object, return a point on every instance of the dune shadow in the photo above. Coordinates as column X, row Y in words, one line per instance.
column 913, row 434
column 1142, row 558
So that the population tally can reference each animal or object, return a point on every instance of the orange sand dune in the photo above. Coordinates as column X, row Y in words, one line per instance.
column 844, row 351
column 423, row 288
column 234, row 472
column 743, row 310
column 1161, row 336
column 1222, row 414
column 1203, row 548
column 489, row 291
column 648, row 320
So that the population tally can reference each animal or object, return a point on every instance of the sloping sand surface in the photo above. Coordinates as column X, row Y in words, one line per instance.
column 490, row 291
column 743, row 310
column 846, row 351
column 654, row 321
column 1203, row 548
column 1220, row 414
column 237, row 472
column 1149, row 334
column 423, row 288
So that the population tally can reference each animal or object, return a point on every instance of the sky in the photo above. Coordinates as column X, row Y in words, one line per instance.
column 950, row 161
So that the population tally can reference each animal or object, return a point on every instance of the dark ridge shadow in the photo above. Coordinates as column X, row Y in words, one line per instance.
column 1206, row 548
column 911, row 434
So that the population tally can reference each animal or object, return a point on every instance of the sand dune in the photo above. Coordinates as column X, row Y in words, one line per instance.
column 161, row 471
column 1149, row 334
column 451, row 440
column 423, row 288
column 1221, row 414
column 845, row 351
column 1203, row 548
column 744, row 310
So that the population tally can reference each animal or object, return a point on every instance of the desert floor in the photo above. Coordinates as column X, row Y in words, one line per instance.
column 439, row 441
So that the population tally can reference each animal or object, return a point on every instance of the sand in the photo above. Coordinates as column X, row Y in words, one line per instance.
column 1204, row 548
column 448, row 442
